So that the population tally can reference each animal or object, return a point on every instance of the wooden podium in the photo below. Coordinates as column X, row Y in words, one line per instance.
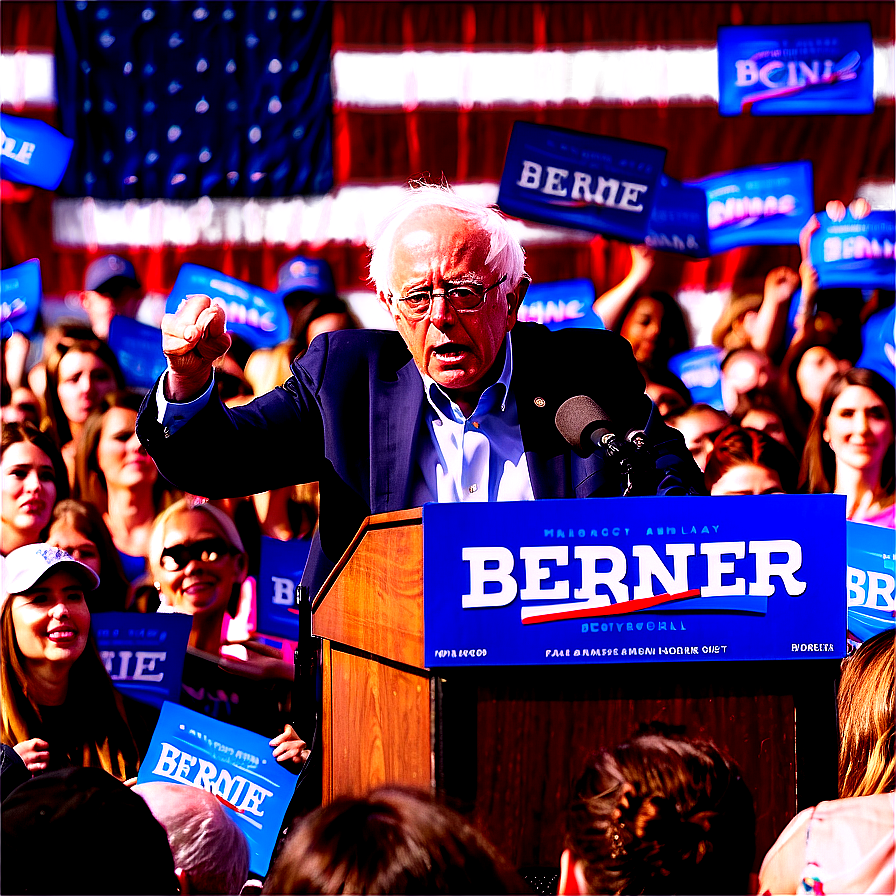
column 504, row 745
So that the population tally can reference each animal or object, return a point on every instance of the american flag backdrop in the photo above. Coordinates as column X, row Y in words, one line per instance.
column 418, row 89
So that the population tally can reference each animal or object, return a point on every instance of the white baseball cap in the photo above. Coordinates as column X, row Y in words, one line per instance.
column 24, row 567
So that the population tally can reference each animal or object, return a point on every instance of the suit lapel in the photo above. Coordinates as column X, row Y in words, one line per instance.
column 396, row 406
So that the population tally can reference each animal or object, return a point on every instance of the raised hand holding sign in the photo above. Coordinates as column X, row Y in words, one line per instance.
column 193, row 339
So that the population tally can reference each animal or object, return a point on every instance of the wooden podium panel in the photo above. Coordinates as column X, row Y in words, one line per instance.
column 379, row 727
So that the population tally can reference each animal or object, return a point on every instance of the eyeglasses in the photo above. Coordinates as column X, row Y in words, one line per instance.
column 207, row 550
column 462, row 297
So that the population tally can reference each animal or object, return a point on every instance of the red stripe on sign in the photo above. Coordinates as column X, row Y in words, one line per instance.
column 620, row 609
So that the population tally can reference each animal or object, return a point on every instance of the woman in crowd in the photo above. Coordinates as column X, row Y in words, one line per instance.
column 79, row 530
column 59, row 707
column 79, row 373
column 393, row 840
column 847, row 845
column 849, row 450
column 659, row 814
column 198, row 562
column 34, row 477
column 116, row 475
column 748, row 462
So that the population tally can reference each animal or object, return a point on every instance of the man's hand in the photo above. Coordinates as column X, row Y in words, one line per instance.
column 192, row 340
column 35, row 754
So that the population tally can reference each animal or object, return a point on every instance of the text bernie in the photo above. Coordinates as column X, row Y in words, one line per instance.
column 239, row 792
column 493, row 584
column 606, row 191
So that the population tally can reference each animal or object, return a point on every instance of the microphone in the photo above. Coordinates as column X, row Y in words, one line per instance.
column 583, row 423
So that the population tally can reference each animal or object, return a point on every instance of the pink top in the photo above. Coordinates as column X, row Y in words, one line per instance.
column 841, row 846
column 885, row 517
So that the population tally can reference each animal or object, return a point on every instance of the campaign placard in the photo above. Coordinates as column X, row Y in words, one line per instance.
column 700, row 369
column 764, row 205
column 870, row 580
column 815, row 69
column 619, row 580
column 20, row 298
column 879, row 344
column 144, row 653
column 237, row 766
column 561, row 304
column 138, row 348
column 253, row 313
column 32, row 152
column 601, row 184
column 678, row 221
column 855, row 252
column 280, row 571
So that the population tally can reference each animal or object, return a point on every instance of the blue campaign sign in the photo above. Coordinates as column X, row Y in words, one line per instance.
column 144, row 653
column 879, row 344
column 138, row 348
column 236, row 765
column 796, row 69
column 678, row 221
column 855, row 251
column 32, row 152
column 280, row 571
column 617, row 580
column 561, row 304
column 765, row 205
column 870, row 580
column 700, row 369
column 602, row 184
column 253, row 313
column 20, row 295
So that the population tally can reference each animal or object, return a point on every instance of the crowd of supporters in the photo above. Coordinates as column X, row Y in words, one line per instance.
column 798, row 414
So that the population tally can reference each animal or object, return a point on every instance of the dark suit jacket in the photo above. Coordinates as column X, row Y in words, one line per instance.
column 350, row 417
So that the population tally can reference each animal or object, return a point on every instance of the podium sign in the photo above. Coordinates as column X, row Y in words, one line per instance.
column 620, row 580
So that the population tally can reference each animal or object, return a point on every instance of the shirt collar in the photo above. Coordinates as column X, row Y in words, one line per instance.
column 494, row 394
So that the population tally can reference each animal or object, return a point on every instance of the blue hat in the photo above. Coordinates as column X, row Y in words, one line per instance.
column 306, row 275
column 108, row 268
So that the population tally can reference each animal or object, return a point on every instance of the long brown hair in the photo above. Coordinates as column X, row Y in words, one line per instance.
column 106, row 738
column 818, row 472
column 866, row 712
column 55, row 420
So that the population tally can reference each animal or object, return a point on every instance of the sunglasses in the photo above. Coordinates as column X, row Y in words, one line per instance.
column 207, row 550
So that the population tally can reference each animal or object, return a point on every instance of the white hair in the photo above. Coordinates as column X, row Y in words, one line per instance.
column 204, row 840
column 505, row 254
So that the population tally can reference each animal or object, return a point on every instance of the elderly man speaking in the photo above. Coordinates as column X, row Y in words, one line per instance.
column 458, row 405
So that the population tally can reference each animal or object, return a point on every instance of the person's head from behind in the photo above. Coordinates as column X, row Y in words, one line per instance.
column 79, row 530
column 33, row 479
column 867, row 718
column 655, row 327
column 80, row 373
column 111, row 287
column 748, row 462
column 760, row 411
column 393, row 840
column 659, row 814
column 79, row 830
column 450, row 274
column 700, row 424
column 211, row 854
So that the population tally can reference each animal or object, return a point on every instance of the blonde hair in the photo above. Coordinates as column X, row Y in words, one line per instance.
column 97, row 709
column 865, row 711
column 157, row 535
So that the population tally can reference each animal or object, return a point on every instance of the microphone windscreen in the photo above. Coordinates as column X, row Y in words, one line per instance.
column 576, row 419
